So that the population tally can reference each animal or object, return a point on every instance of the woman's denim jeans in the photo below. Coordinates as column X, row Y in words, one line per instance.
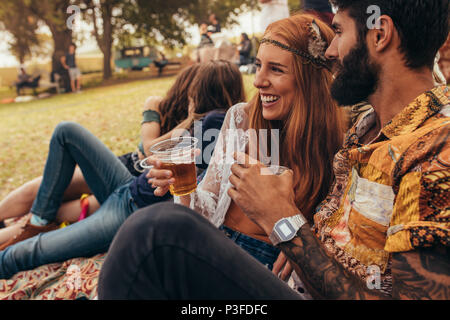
column 107, row 178
column 261, row 251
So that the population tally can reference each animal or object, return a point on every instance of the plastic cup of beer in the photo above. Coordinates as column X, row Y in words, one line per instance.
column 178, row 156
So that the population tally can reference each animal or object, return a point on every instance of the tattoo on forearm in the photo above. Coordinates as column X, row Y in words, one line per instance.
column 321, row 274
column 423, row 274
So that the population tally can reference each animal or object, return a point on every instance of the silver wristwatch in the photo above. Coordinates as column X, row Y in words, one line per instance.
column 286, row 229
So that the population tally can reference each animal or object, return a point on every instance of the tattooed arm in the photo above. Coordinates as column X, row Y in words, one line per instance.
column 421, row 274
column 322, row 275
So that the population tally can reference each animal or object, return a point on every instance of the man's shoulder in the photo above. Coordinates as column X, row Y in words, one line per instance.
column 434, row 131
column 421, row 175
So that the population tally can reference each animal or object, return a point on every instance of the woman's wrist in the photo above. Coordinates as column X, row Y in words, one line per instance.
column 186, row 200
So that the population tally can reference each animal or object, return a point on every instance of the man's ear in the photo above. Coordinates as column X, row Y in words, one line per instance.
column 381, row 37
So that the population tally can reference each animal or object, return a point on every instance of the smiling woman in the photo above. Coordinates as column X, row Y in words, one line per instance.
column 275, row 81
column 293, row 99
column 293, row 80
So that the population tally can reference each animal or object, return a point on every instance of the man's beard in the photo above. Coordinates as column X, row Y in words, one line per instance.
column 356, row 78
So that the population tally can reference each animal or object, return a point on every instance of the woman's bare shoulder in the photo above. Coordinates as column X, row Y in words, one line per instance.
column 152, row 103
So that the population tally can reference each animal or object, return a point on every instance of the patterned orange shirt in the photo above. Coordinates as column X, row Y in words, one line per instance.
column 392, row 195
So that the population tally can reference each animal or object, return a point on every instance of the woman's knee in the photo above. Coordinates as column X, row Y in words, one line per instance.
column 65, row 128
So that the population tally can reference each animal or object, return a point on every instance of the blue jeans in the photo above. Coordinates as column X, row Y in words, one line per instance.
column 261, row 251
column 107, row 178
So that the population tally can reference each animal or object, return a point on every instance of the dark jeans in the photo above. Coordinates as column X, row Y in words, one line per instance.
column 263, row 252
column 109, row 180
column 167, row 251
column 244, row 60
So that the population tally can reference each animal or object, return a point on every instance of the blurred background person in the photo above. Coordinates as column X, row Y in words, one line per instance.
column 245, row 48
column 205, row 39
column 161, row 63
column 69, row 63
column 214, row 23
column 23, row 80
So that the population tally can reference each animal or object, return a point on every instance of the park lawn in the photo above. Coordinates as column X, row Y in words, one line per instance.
column 112, row 113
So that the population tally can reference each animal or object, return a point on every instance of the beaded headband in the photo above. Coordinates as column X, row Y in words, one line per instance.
column 316, row 47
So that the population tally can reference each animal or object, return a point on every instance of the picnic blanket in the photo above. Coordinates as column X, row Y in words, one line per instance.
column 73, row 279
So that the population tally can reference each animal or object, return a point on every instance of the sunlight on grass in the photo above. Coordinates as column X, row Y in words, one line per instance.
column 112, row 113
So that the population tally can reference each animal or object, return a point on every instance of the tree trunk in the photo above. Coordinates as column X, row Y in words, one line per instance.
column 62, row 39
column 107, row 39
column 107, row 55
column 53, row 14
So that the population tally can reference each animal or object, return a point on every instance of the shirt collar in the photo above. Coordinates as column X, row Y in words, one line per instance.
column 410, row 118
column 417, row 112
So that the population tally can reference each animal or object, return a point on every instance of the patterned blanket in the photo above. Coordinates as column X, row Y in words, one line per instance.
column 72, row 279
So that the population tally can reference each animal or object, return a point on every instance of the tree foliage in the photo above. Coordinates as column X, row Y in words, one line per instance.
column 20, row 23
column 166, row 20
column 162, row 21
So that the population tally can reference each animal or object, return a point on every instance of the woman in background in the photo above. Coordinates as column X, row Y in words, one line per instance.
column 217, row 86
column 160, row 115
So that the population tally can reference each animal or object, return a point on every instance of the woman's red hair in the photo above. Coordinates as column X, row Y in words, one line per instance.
column 313, row 130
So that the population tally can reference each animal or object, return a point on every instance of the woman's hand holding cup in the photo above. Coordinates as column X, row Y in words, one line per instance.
column 159, row 178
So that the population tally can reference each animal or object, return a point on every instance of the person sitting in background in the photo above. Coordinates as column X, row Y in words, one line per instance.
column 118, row 191
column 244, row 49
column 25, row 80
column 160, row 116
column 205, row 39
column 22, row 80
column 69, row 63
column 214, row 23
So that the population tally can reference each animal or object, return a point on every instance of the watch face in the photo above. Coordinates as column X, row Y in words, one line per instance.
column 285, row 230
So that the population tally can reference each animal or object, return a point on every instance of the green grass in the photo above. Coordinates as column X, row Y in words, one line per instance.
column 112, row 113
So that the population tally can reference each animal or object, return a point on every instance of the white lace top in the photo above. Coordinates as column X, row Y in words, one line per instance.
column 211, row 198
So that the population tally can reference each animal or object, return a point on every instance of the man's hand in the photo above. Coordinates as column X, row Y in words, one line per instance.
column 264, row 198
column 63, row 63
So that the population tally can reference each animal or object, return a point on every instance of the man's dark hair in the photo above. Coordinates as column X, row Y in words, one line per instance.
column 73, row 45
column 422, row 25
